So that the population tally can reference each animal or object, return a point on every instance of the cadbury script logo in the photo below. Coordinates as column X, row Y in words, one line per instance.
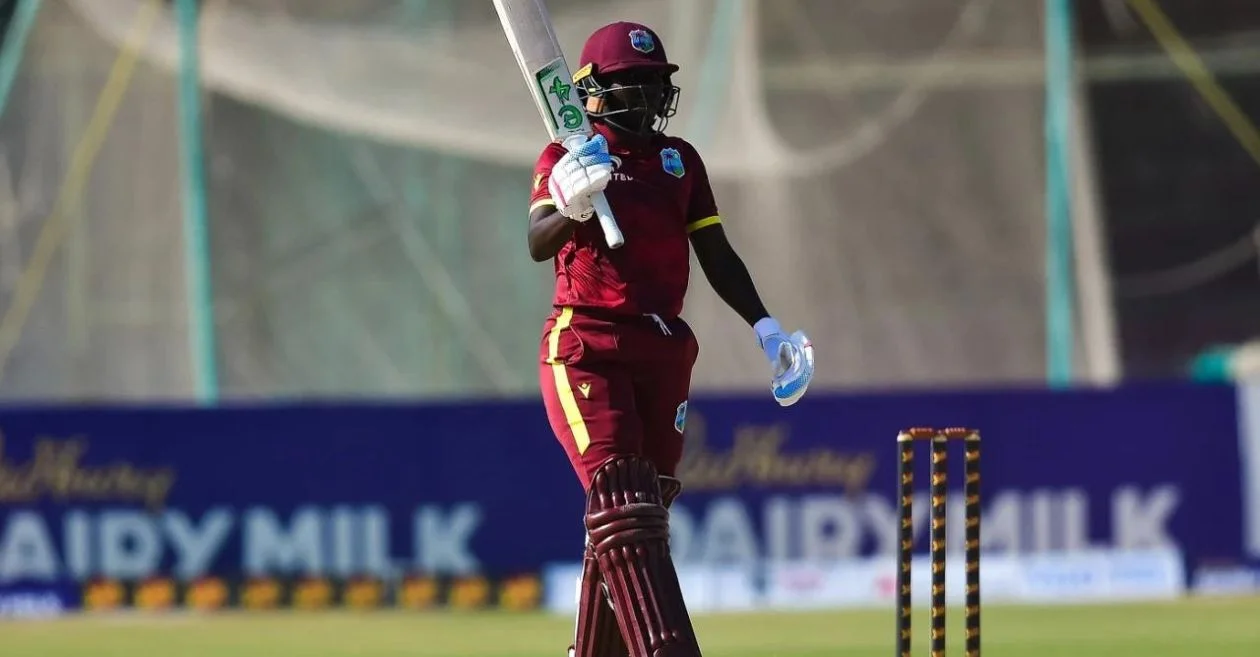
column 56, row 471
column 757, row 458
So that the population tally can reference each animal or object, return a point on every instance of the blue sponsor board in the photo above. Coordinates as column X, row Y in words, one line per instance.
column 1134, row 469
column 340, row 490
column 321, row 490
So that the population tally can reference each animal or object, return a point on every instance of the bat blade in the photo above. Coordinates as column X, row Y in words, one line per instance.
column 527, row 26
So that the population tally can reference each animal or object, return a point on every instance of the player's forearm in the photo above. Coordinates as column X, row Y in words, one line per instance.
column 548, row 231
column 730, row 279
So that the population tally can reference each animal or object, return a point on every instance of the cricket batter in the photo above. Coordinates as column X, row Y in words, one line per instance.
column 616, row 358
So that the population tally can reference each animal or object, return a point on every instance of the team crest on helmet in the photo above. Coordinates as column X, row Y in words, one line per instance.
column 671, row 162
column 642, row 41
column 680, row 417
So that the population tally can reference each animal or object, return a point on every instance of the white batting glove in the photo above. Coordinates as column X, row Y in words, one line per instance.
column 583, row 172
column 791, row 360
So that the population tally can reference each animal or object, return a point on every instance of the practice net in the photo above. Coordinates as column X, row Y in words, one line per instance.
column 878, row 164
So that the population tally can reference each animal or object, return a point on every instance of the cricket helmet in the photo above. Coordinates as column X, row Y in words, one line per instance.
column 640, row 98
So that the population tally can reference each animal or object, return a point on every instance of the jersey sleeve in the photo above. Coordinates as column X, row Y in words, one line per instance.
column 540, row 195
column 702, row 210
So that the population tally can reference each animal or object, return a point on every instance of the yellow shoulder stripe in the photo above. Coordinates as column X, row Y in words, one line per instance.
column 703, row 223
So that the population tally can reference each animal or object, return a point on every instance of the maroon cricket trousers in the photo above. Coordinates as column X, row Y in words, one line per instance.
column 616, row 385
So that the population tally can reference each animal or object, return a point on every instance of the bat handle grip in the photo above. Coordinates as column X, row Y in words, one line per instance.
column 612, row 232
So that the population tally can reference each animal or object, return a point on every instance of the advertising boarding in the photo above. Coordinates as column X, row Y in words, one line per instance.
column 1136, row 488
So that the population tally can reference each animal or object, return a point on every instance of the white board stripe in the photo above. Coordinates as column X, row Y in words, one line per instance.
column 1249, row 463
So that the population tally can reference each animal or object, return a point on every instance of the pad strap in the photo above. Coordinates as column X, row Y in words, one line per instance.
column 671, row 488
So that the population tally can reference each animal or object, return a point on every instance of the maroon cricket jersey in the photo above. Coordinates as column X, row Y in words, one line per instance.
column 659, row 194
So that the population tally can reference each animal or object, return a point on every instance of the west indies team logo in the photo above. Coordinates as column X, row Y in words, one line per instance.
column 671, row 162
column 642, row 41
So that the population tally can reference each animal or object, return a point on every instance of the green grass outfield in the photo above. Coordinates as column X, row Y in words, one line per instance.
column 1226, row 627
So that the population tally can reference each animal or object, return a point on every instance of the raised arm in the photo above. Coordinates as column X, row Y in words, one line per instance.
column 561, row 198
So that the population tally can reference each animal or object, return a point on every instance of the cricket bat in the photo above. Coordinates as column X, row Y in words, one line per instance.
column 527, row 25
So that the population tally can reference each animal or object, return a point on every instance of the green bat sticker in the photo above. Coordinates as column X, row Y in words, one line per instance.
column 558, row 93
column 571, row 116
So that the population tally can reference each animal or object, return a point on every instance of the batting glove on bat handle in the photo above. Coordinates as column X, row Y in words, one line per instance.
column 579, row 176
column 791, row 360
column 595, row 151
